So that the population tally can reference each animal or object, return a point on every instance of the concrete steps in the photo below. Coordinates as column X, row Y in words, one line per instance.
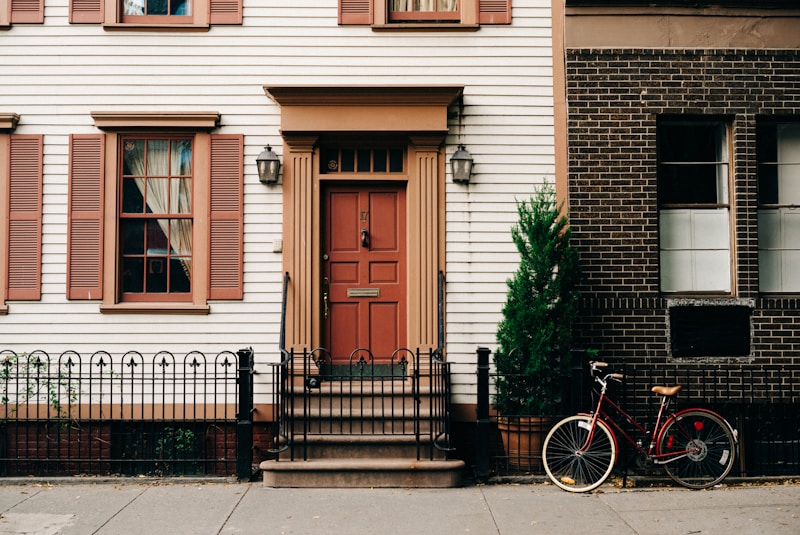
column 361, row 435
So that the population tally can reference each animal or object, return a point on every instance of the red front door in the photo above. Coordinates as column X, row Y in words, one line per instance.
column 364, row 271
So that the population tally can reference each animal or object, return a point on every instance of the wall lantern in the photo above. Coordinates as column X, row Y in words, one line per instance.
column 461, row 163
column 268, row 166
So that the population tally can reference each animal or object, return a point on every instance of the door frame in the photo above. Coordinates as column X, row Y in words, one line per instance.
column 415, row 116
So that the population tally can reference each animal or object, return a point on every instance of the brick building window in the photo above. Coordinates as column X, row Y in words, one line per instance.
column 694, row 206
column 778, row 153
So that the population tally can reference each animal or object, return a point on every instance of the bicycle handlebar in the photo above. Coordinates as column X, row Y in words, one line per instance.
column 596, row 366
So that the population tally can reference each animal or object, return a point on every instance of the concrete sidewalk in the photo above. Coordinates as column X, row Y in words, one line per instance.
column 174, row 507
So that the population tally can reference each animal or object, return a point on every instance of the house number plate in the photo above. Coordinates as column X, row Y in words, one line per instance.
column 363, row 292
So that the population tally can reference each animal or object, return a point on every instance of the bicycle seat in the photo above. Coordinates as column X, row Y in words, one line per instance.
column 666, row 390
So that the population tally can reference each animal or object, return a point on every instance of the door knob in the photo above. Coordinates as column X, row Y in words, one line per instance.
column 364, row 238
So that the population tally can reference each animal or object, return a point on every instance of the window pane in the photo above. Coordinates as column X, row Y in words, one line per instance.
column 132, row 198
column 133, row 275
column 180, row 197
column 364, row 157
column 380, row 160
column 133, row 158
column 157, row 158
column 396, row 161
column 181, row 236
column 132, row 231
column 692, row 159
column 348, row 160
column 181, row 158
column 179, row 275
column 156, row 275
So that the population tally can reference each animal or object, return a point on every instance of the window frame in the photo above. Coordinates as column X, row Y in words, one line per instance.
column 690, row 212
column 217, row 198
column 122, row 215
column 426, row 16
column 115, row 17
column 383, row 18
column 769, row 168
column 109, row 14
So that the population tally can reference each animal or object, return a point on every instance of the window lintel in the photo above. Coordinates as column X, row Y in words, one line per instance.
column 118, row 120
column 8, row 121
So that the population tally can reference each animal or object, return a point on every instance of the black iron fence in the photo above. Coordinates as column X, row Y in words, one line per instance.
column 762, row 402
column 127, row 415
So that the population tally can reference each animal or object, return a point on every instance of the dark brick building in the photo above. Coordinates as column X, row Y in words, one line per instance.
column 682, row 128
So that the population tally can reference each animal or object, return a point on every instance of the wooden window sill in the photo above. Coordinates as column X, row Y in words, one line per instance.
column 154, row 308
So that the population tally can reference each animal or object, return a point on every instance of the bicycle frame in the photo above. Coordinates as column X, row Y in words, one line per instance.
column 665, row 415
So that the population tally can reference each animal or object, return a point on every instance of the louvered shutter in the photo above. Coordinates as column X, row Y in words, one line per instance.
column 494, row 11
column 27, row 11
column 355, row 11
column 226, row 217
column 25, row 218
column 86, row 11
column 85, row 217
column 225, row 12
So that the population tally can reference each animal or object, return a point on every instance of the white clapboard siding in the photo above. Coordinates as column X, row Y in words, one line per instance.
column 55, row 74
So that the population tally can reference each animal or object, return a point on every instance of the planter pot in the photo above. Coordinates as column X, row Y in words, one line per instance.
column 522, row 440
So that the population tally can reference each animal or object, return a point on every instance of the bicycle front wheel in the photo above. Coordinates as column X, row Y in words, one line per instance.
column 572, row 461
column 698, row 449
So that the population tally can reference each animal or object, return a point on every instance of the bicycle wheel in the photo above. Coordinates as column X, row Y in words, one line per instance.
column 572, row 464
column 707, row 445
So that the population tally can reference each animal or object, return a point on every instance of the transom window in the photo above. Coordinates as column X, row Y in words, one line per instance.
column 424, row 10
column 362, row 160
column 155, row 219
column 778, row 153
column 694, row 209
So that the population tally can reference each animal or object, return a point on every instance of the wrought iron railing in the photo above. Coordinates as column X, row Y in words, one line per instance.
column 761, row 401
column 406, row 394
column 124, row 415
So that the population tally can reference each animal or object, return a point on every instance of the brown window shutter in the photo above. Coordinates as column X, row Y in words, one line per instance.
column 27, row 11
column 86, row 11
column 494, row 12
column 85, row 217
column 226, row 217
column 225, row 12
column 25, row 218
column 355, row 11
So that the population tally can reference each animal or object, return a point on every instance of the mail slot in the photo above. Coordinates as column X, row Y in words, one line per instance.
column 363, row 292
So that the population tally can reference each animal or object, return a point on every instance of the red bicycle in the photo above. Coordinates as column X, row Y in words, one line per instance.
column 695, row 446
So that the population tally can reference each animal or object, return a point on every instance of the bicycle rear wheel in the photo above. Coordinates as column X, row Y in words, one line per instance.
column 570, row 462
column 707, row 445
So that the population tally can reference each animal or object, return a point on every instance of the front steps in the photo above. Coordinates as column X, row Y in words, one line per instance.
column 362, row 439
column 358, row 473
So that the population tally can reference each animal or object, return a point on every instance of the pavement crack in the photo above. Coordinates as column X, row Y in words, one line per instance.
column 112, row 517
column 234, row 508
column 489, row 508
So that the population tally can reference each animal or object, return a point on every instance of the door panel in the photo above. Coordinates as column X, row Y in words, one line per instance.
column 364, row 268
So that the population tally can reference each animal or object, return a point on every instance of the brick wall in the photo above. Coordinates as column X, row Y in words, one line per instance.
column 614, row 99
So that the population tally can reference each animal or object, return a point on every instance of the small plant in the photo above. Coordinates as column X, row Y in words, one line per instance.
column 177, row 444
column 535, row 334
column 27, row 378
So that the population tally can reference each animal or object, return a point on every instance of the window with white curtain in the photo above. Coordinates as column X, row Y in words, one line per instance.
column 694, row 206
column 416, row 10
column 155, row 227
column 778, row 152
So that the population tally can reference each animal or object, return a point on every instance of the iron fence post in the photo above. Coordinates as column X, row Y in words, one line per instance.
column 482, row 425
column 244, row 420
